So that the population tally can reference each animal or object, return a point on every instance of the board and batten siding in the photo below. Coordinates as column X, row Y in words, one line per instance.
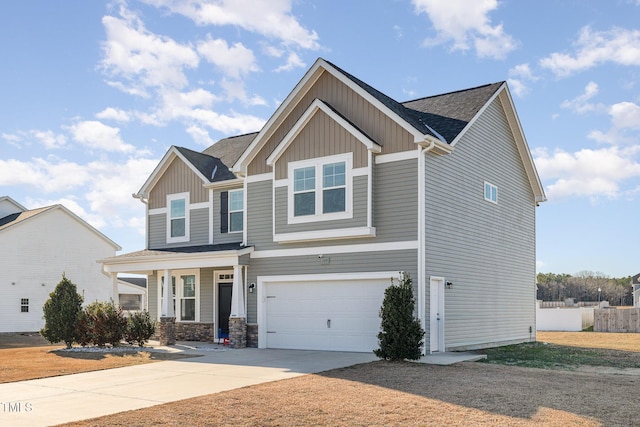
column 400, row 260
column 364, row 115
column 321, row 137
column 395, row 210
column 486, row 250
column 178, row 178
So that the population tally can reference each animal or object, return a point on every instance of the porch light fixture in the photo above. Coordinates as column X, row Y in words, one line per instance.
column 252, row 287
column 449, row 285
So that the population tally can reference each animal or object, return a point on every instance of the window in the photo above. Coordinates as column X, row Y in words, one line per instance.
column 490, row 193
column 24, row 305
column 320, row 189
column 304, row 194
column 236, row 210
column 178, row 217
column 188, row 298
column 186, row 295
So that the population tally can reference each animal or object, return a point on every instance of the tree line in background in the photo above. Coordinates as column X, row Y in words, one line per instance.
column 585, row 286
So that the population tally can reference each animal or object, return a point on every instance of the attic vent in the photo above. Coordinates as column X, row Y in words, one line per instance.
column 213, row 173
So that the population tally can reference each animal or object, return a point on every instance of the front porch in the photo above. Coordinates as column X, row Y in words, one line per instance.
column 208, row 288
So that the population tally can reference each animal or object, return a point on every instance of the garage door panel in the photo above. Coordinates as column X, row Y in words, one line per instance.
column 297, row 314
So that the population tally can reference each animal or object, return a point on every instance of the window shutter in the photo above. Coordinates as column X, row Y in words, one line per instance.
column 224, row 212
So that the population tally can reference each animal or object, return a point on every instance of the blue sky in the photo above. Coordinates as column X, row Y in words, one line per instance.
column 92, row 94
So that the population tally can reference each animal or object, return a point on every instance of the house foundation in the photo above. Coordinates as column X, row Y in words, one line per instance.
column 238, row 332
column 167, row 332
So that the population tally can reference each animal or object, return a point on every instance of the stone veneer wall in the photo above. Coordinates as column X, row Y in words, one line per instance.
column 202, row 332
column 238, row 332
column 167, row 331
column 252, row 335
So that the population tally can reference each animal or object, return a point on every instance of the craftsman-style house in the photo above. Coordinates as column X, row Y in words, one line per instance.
column 295, row 231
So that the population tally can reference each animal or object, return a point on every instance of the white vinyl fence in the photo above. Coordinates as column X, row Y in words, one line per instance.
column 563, row 319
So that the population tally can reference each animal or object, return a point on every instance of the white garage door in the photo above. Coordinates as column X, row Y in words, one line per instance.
column 339, row 315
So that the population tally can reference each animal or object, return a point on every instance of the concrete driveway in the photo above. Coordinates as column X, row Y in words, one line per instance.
column 56, row 400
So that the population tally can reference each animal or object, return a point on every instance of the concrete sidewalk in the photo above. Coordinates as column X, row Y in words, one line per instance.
column 50, row 401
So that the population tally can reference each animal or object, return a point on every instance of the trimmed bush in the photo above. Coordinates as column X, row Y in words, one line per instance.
column 61, row 311
column 140, row 328
column 401, row 334
column 101, row 323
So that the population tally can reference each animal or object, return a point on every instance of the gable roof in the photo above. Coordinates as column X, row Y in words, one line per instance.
column 30, row 215
column 450, row 113
column 229, row 150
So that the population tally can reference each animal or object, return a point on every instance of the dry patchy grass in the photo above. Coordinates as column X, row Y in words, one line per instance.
column 411, row 394
column 26, row 357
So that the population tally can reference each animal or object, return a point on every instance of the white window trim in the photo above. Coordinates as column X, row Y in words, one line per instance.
column 229, row 212
column 170, row 198
column 318, row 162
column 489, row 198
column 176, row 274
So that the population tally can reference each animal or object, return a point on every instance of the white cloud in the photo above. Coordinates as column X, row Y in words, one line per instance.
column 97, row 135
column 142, row 58
column 589, row 173
column 48, row 175
column 625, row 115
column 519, row 76
column 272, row 19
column 466, row 24
column 293, row 61
column 46, row 138
column 593, row 48
column 580, row 104
column 200, row 136
column 115, row 114
column 235, row 61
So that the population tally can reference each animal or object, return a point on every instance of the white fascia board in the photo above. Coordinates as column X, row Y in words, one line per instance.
column 13, row 202
column 173, row 261
column 478, row 114
column 339, row 233
column 337, row 249
column 237, row 182
column 521, row 142
column 319, row 105
column 298, row 91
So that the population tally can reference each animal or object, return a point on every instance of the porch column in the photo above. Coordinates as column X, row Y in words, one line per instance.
column 238, row 317
column 167, row 301
column 167, row 319
column 237, row 293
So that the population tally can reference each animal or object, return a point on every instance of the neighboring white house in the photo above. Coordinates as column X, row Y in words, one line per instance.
column 132, row 293
column 36, row 247
column 635, row 284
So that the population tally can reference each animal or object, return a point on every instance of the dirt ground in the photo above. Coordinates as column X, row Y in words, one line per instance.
column 29, row 356
column 376, row 394
column 412, row 394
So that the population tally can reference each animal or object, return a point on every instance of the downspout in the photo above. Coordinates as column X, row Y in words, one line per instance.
column 423, row 150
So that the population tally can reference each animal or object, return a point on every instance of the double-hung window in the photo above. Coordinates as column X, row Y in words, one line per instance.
column 185, row 295
column 236, row 210
column 320, row 189
column 178, row 217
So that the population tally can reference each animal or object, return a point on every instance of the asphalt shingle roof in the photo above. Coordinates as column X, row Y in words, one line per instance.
column 211, row 167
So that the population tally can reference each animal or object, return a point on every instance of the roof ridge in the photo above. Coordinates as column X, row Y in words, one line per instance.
column 452, row 92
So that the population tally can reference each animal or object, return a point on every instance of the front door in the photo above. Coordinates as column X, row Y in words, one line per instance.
column 224, row 306
column 436, row 314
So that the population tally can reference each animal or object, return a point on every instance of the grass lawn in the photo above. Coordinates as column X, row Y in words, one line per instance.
column 412, row 394
column 26, row 357
column 586, row 379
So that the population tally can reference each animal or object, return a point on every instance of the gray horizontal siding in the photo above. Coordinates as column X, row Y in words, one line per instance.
column 198, row 230
column 219, row 237
column 486, row 250
column 360, row 190
column 206, row 295
column 395, row 209
column 405, row 260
